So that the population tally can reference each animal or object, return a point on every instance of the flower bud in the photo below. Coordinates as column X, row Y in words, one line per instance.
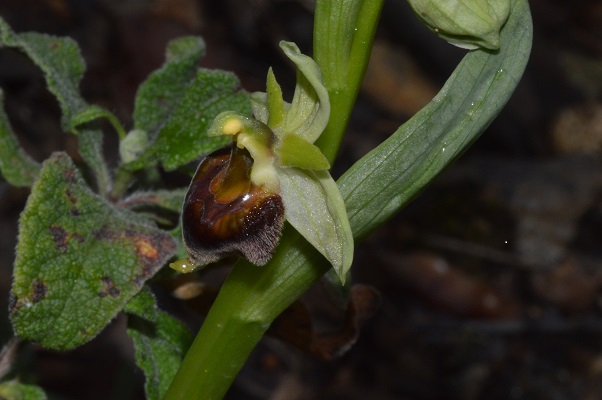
column 133, row 145
column 465, row 23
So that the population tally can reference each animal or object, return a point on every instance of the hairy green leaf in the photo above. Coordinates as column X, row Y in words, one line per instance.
column 160, row 94
column 63, row 67
column 177, row 103
column 79, row 259
column 60, row 61
column 92, row 113
column 184, row 136
column 90, row 148
column 15, row 165
column 383, row 181
column 14, row 390
column 160, row 342
column 170, row 200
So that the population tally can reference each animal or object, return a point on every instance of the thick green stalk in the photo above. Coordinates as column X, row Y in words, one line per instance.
column 250, row 299
column 343, row 35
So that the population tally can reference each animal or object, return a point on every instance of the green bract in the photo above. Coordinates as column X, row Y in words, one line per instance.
column 469, row 24
column 285, row 160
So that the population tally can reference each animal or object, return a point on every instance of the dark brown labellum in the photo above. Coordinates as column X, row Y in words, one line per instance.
column 224, row 213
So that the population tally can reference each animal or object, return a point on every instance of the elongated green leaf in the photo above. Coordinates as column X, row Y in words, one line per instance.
column 15, row 165
column 382, row 182
column 177, row 103
column 160, row 342
column 314, row 207
column 79, row 259
column 14, row 390
column 60, row 61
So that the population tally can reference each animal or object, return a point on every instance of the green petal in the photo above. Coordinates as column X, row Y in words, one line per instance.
column 276, row 108
column 294, row 151
column 315, row 208
column 309, row 112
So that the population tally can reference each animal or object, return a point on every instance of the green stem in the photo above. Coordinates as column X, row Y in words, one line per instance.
column 343, row 59
column 123, row 180
column 248, row 302
column 121, row 132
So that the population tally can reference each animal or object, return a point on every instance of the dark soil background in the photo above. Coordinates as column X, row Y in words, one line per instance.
column 489, row 281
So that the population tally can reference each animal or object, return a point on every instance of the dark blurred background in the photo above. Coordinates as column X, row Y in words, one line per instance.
column 489, row 281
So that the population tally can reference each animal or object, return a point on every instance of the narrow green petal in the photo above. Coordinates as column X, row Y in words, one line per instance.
column 294, row 151
column 276, row 109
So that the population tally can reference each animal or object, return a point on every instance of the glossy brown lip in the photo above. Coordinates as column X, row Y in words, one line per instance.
column 224, row 213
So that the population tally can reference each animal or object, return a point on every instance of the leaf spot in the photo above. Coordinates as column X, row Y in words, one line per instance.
column 146, row 249
column 59, row 235
column 73, row 200
column 39, row 291
column 108, row 288
column 70, row 175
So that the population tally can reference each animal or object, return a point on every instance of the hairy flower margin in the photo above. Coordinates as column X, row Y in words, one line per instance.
column 240, row 196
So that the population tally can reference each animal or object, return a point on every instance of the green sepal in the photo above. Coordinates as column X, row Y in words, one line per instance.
column 310, row 109
column 294, row 151
column 314, row 207
column 308, row 114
